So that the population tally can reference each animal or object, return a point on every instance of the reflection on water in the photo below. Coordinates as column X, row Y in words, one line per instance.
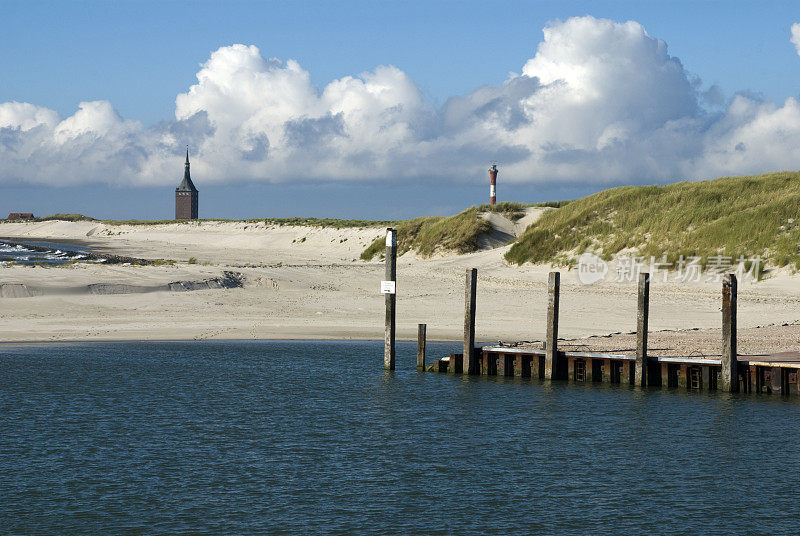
column 310, row 437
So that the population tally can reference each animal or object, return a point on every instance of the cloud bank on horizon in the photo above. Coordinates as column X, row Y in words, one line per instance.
column 599, row 102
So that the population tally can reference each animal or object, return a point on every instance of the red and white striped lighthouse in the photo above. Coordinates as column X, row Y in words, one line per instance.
column 493, row 184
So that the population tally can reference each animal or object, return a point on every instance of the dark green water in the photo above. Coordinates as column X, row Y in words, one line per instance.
column 314, row 437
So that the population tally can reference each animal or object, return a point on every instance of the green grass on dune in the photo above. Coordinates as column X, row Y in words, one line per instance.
column 327, row 222
column 308, row 222
column 459, row 233
column 65, row 217
column 511, row 210
column 297, row 222
column 514, row 211
column 731, row 216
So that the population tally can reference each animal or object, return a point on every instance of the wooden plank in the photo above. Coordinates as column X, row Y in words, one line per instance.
column 642, row 319
column 606, row 371
column 456, row 363
column 513, row 350
column 729, row 373
column 508, row 364
column 686, row 360
column 391, row 300
column 421, row 329
column 470, row 295
column 781, row 364
column 551, row 362
column 490, row 363
column 600, row 355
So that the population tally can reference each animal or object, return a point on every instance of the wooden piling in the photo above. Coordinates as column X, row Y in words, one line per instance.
column 642, row 318
column 551, row 362
column 729, row 376
column 421, row 328
column 470, row 295
column 391, row 300
column 522, row 366
column 456, row 364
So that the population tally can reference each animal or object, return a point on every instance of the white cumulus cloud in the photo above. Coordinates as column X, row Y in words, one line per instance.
column 268, row 121
column 795, row 38
column 25, row 116
column 599, row 101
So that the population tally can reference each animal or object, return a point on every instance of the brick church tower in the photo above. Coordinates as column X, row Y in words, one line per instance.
column 186, row 195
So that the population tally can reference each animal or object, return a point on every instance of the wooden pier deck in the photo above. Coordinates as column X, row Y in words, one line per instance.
column 777, row 373
column 693, row 359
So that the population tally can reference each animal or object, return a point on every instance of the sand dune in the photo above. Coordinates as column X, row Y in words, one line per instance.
column 307, row 282
column 23, row 290
column 217, row 242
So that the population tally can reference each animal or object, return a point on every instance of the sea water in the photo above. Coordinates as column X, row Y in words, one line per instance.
column 39, row 252
column 294, row 437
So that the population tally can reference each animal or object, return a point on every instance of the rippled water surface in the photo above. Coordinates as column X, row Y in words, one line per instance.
column 39, row 252
column 314, row 437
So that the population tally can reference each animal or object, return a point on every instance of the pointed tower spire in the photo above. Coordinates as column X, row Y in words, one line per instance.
column 187, row 185
column 186, row 195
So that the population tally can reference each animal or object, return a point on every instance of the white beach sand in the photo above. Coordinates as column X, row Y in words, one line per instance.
column 307, row 282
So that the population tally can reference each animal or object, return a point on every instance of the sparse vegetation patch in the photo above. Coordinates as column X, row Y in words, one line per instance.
column 298, row 222
column 427, row 235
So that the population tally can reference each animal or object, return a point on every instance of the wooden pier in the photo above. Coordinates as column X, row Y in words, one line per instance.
column 776, row 373
column 728, row 371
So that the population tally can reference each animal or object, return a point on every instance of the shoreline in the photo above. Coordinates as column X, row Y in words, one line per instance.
column 703, row 340
column 277, row 339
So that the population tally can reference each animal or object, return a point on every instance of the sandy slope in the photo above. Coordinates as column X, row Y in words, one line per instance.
column 506, row 230
column 302, row 282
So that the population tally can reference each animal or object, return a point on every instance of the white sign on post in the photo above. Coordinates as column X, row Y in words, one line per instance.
column 388, row 287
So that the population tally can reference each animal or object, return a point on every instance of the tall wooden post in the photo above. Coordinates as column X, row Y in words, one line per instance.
column 642, row 319
column 391, row 299
column 551, row 364
column 729, row 379
column 421, row 328
column 470, row 294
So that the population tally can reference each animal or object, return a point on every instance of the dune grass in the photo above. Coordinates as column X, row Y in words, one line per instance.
column 300, row 222
column 65, row 217
column 511, row 210
column 327, row 222
column 514, row 211
column 552, row 204
column 297, row 222
column 731, row 216
column 427, row 235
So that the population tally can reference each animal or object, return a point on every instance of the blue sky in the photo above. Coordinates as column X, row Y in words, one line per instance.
column 139, row 56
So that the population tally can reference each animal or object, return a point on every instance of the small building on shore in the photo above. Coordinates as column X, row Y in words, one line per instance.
column 186, row 195
column 20, row 216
